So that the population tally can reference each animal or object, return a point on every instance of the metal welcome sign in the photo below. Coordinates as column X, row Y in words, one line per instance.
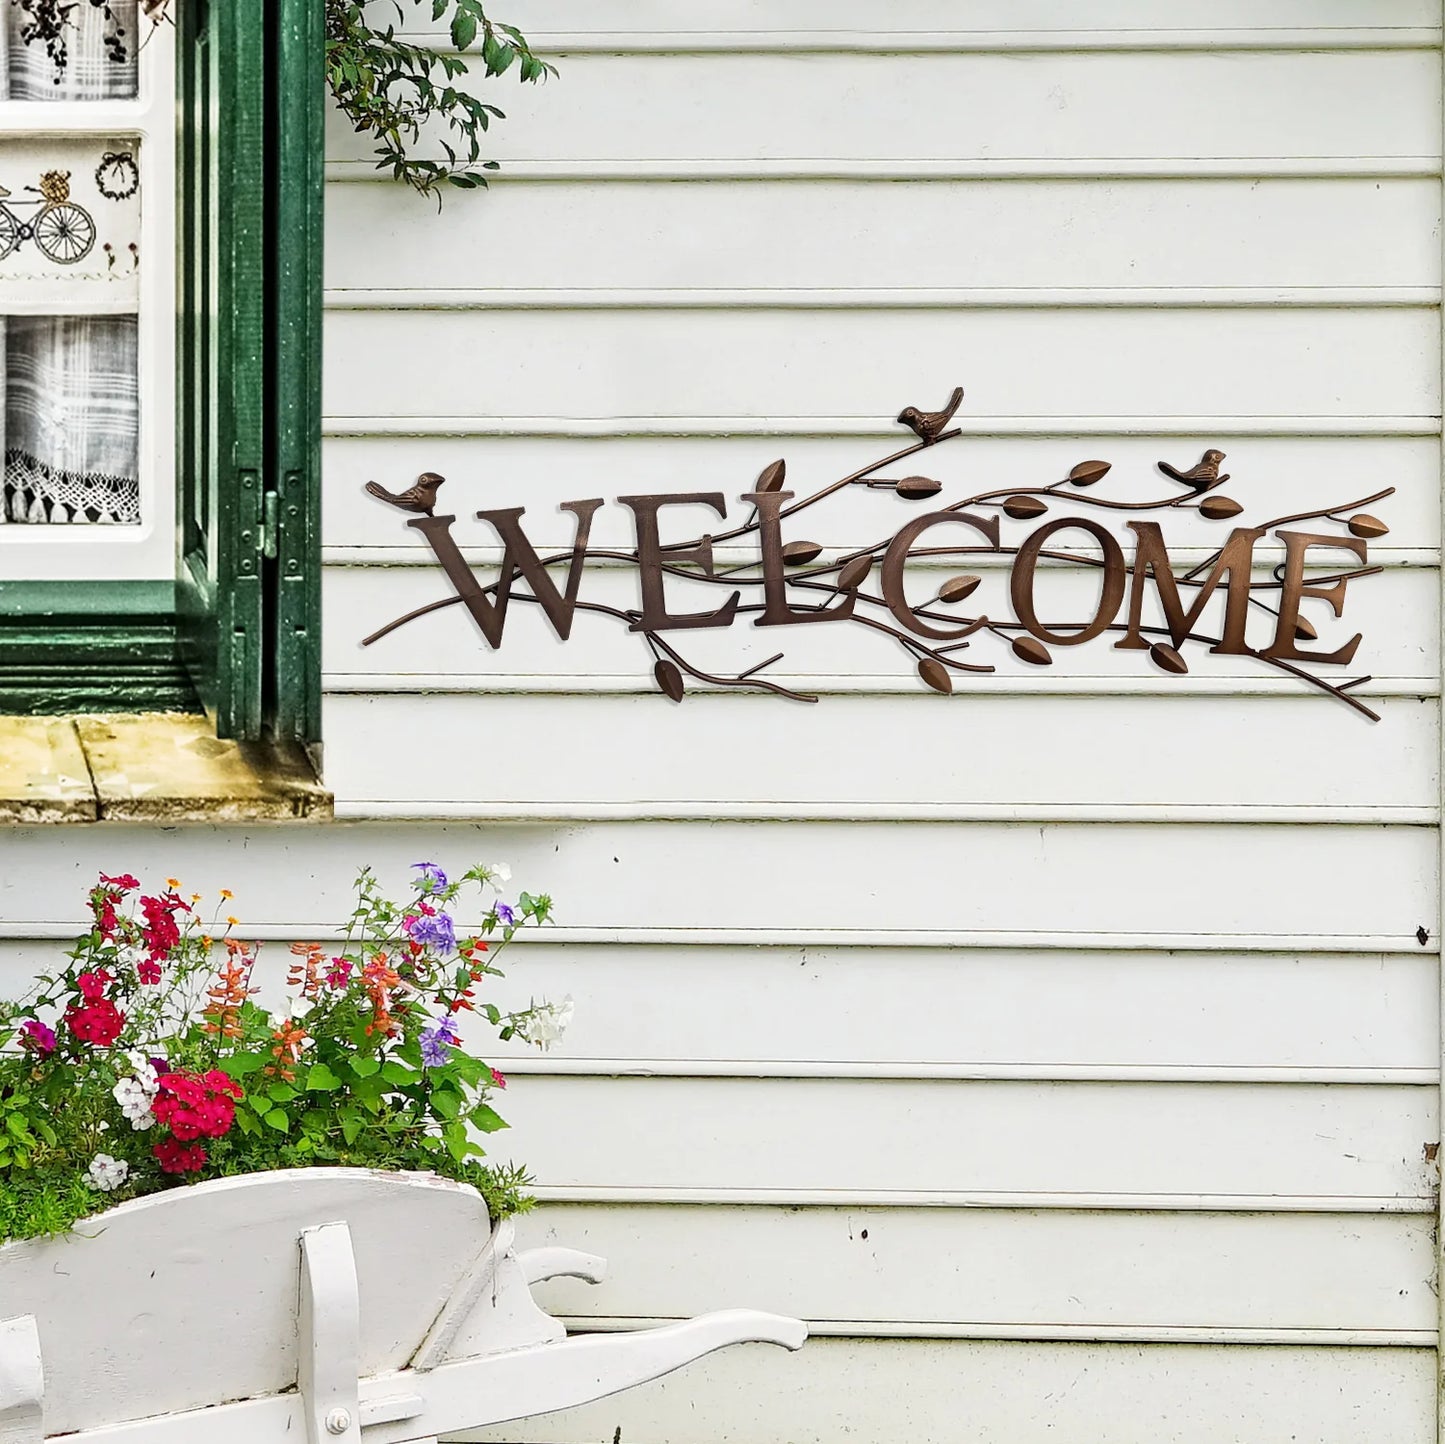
column 792, row 584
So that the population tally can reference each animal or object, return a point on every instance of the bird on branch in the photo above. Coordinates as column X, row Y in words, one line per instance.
column 929, row 424
column 1202, row 476
column 419, row 498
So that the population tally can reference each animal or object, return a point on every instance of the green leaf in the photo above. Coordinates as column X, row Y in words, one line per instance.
column 363, row 1066
column 487, row 1120
column 464, row 29
column 320, row 1079
column 241, row 1065
column 278, row 1120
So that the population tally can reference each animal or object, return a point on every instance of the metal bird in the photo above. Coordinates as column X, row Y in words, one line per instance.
column 1202, row 476
column 420, row 498
column 929, row 424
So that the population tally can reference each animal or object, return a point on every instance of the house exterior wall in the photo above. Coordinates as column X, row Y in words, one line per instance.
column 1062, row 1051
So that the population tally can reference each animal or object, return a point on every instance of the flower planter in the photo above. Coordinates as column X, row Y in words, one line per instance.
column 317, row 1305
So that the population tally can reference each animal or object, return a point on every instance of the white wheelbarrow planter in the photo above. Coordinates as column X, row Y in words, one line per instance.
column 317, row 1306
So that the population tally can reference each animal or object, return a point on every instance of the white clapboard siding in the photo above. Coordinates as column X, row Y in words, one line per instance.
column 1222, row 886
column 840, row 1011
column 850, row 1137
column 1148, row 20
column 998, row 1270
column 990, row 107
column 1195, row 238
column 1269, row 476
column 650, row 753
column 938, row 1392
column 842, row 363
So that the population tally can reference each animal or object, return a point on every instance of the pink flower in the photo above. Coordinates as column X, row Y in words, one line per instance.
column 92, row 985
column 498, row 1080
column 35, row 1036
column 338, row 974
column 148, row 971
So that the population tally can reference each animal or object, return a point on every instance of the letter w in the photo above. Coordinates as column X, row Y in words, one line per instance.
column 519, row 556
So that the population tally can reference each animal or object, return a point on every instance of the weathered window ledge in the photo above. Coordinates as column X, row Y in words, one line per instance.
column 150, row 767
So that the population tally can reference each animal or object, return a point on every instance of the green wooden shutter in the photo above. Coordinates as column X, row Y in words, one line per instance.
column 295, row 296
column 222, row 441
column 252, row 157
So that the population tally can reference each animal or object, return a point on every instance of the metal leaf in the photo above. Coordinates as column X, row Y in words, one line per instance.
column 1086, row 473
column 936, row 675
column 915, row 488
column 1166, row 658
column 1304, row 631
column 770, row 478
column 855, row 573
column 800, row 553
column 669, row 679
column 1218, row 508
column 1363, row 524
column 1022, row 508
column 1030, row 649
column 955, row 589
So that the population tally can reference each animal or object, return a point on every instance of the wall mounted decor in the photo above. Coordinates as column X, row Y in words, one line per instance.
column 1141, row 601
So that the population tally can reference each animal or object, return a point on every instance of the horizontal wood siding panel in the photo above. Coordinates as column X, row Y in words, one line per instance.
column 985, row 106
column 736, row 1008
column 808, row 1135
column 820, row 17
column 647, row 752
column 1289, row 886
column 1190, row 235
column 916, row 1392
column 1270, row 476
column 832, row 363
column 998, row 1268
column 1396, row 614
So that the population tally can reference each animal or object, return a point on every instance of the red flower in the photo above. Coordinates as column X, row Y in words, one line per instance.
column 125, row 882
column 92, row 985
column 175, row 1157
column 197, row 1105
column 99, row 1022
column 160, row 932
column 148, row 971
column 498, row 1079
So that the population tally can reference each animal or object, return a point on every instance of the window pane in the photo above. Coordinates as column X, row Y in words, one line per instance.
column 71, row 420
column 100, row 55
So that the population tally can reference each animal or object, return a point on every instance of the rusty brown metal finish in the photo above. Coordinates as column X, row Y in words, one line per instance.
column 791, row 582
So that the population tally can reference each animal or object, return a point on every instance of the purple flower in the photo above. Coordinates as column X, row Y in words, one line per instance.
column 437, row 1042
column 37, row 1037
column 432, row 877
column 434, row 931
column 505, row 915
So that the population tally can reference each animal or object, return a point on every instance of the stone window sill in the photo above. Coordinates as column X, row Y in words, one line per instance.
column 148, row 768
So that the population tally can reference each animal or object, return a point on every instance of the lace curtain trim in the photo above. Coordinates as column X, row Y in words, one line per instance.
column 35, row 492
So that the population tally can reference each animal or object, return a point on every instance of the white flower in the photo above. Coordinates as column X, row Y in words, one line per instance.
column 136, row 1095
column 548, row 1022
column 498, row 872
column 106, row 1173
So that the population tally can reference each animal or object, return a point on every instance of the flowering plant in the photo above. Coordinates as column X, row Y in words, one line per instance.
column 149, row 1062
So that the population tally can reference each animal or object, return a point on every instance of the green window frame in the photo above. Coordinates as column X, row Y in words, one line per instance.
column 239, row 632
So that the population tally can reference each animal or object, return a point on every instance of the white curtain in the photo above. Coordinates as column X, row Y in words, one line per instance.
column 71, row 419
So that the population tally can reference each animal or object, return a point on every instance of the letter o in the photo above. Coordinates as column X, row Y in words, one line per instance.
column 1021, row 582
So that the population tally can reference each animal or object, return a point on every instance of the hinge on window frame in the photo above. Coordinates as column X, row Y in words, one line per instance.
column 270, row 525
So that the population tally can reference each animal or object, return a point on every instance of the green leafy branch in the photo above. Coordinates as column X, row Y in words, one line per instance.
column 390, row 89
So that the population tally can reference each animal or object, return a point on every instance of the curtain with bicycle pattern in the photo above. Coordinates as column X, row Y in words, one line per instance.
column 69, row 426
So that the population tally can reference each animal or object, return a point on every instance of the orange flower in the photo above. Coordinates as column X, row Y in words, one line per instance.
column 306, row 974
column 227, row 894
column 289, row 1038
column 229, row 993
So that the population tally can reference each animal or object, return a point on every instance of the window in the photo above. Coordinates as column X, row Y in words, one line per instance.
column 159, row 358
